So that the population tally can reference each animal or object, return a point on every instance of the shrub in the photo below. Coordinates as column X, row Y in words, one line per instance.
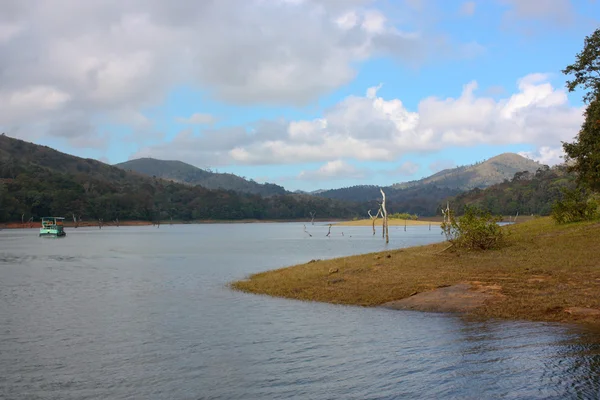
column 475, row 230
column 576, row 205
column 403, row 216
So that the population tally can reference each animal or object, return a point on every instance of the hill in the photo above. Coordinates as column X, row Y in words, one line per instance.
column 479, row 175
column 527, row 193
column 423, row 197
column 38, row 181
column 181, row 172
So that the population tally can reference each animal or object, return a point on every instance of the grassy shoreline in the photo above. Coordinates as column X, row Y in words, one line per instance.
column 546, row 273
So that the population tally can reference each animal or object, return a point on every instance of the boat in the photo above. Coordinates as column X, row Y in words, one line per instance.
column 52, row 226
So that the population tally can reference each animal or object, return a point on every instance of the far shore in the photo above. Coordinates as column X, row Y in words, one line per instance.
column 435, row 220
column 547, row 272
column 83, row 224
column 391, row 222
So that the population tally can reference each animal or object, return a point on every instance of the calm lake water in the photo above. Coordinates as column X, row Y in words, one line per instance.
column 145, row 313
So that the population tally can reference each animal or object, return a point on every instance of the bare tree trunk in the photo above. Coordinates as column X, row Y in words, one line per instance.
column 30, row 222
column 374, row 218
column 385, row 217
column 446, row 213
column 329, row 233
column 312, row 217
column 117, row 222
column 23, row 220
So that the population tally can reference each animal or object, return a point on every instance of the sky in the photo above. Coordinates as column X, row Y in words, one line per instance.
column 307, row 94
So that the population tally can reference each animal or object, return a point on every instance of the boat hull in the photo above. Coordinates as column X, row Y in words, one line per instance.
column 52, row 232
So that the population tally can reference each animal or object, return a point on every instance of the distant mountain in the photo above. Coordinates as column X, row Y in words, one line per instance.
column 181, row 172
column 480, row 175
column 37, row 181
column 424, row 196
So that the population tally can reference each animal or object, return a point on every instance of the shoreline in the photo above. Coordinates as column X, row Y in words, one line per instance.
column 391, row 222
column 547, row 272
column 94, row 224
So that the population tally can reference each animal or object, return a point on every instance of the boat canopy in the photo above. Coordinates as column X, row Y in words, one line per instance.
column 53, row 220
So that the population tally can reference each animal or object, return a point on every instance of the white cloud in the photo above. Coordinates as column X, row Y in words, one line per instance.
column 371, row 128
column 101, row 56
column 197, row 119
column 467, row 8
column 333, row 170
column 558, row 12
column 546, row 155
column 9, row 31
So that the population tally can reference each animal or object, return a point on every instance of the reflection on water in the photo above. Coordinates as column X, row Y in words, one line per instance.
column 145, row 313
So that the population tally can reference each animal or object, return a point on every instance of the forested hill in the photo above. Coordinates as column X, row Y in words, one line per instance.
column 480, row 175
column 39, row 181
column 185, row 173
column 526, row 193
column 422, row 200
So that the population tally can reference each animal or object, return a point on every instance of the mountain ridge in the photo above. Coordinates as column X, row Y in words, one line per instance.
column 479, row 175
column 38, row 181
column 181, row 172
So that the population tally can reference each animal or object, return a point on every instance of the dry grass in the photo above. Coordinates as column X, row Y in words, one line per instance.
column 544, row 269
column 392, row 222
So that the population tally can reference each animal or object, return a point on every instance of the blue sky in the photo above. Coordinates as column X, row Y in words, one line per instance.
column 307, row 94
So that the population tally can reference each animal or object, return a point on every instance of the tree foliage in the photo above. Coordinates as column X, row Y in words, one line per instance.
column 585, row 150
column 44, row 182
column 576, row 205
column 527, row 193
column 586, row 69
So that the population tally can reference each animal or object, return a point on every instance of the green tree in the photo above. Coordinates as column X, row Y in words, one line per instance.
column 585, row 150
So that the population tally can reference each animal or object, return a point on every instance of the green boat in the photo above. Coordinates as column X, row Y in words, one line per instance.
column 52, row 226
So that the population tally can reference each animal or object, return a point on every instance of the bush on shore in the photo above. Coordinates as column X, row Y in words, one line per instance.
column 475, row 230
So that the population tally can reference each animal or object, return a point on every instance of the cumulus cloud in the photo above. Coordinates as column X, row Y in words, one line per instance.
column 197, row 119
column 95, row 58
column 558, row 12
column 371, row 128
column 546, row 155
column 333, row 170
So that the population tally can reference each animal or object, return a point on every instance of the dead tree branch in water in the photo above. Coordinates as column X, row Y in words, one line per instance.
column 305, row 231
column 329, row 233
column 385, row 218
column 374, row 218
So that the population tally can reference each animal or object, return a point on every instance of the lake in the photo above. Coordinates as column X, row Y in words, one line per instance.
column 145, row 313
